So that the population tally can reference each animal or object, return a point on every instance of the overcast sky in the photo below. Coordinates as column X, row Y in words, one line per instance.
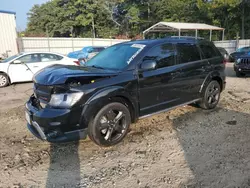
column 21, row 7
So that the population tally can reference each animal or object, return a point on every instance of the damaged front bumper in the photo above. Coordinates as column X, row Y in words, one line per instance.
column 54, row 125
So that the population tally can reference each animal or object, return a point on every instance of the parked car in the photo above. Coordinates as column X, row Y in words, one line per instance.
column 242, row 65
column 86, row 53
column 224, row 53
column 241, row 51
column 123, row 83
column 22, row 67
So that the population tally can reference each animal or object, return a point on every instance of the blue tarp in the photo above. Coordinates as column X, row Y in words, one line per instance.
column 83, row 53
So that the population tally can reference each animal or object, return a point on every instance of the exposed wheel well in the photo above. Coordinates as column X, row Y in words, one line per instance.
column 127, row 103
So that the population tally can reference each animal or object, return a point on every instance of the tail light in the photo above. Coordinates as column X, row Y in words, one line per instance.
column 224, row 61
column 77, row 62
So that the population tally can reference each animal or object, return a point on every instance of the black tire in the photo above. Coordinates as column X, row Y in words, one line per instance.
column 239, row 74
column 104, row 129
column 211, row 95
column 4, row 80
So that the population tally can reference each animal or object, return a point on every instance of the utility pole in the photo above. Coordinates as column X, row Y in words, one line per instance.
column 93, row 25
column 243, row 20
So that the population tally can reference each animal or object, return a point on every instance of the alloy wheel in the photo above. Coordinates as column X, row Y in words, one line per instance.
column 3, row 80
column 113, row 125
column 213, row 94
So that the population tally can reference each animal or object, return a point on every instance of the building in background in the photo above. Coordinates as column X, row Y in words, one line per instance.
column 8, row 34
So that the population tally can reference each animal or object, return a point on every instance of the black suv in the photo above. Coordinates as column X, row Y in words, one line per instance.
column 122, row 84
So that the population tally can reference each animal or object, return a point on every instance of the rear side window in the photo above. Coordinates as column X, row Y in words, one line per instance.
column 98, row 49
column 49, row 57
column 208, row 50
column 164, row 55
column 188, row 52
column 59, row 57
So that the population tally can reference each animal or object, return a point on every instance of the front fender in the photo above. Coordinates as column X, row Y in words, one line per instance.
column 209, row 77
column 102, row 98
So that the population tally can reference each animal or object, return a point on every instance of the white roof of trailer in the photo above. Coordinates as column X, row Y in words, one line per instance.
column 176, row 26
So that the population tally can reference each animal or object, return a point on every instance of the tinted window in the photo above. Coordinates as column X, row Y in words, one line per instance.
column 208, row 51
column 98, row 49
column 164, row 55
column 222, row 51
column 31, row 58
column 188, row 53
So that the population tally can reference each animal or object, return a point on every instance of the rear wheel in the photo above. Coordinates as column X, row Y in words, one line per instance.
column 110, row 125
column 4, row 80
column 211, row 95
column 239, row 74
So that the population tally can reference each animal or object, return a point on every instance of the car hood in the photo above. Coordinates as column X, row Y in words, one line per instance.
column 60, row 74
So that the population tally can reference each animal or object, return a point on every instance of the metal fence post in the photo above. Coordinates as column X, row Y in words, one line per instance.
column 48, row 43
column 237, row 41
column 73, row 49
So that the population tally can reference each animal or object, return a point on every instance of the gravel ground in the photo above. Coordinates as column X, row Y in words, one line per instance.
column 187, row 147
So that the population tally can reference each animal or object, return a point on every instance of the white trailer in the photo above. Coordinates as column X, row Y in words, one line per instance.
column 8, row 34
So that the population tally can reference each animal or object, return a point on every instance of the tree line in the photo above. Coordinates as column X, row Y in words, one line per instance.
column 128, row 18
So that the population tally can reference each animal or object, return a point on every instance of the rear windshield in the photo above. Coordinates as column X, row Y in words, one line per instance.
column 98, row 49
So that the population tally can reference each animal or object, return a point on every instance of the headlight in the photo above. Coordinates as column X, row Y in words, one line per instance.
column 238, row 61
column 65, row 100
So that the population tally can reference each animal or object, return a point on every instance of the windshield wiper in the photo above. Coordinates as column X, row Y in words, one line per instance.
column 96, row 67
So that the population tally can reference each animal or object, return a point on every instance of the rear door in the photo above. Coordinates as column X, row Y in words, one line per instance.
column 193, row 71
column 212, row 55
column 157, row 88
column 44, row 60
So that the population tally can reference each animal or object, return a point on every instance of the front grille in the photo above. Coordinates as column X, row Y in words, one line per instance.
column 245, row 61
column 43, row 92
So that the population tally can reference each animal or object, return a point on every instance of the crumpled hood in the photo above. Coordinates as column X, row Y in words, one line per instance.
column 59, row 74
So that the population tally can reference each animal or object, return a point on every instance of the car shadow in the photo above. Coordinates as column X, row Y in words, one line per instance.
column 217, row 154
column 64, row 169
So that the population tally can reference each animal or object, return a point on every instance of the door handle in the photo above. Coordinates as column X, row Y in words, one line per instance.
column 175, row 73
column 35, row 66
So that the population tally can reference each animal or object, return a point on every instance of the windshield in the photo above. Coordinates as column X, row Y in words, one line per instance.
column 10, row 58
column 116, row 57
column 244, row 49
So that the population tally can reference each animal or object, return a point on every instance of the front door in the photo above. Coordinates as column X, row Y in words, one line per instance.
column 157, row 89
column 21, row 72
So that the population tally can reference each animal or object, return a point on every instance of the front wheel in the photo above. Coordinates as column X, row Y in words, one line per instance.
column 110, row 125
column 211, row 95
column 4, row 80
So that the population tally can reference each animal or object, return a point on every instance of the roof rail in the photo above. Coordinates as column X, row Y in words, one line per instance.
column 186, row 37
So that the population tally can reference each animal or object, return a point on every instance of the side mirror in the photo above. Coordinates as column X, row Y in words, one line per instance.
column 17, row 62
column 148, row 65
